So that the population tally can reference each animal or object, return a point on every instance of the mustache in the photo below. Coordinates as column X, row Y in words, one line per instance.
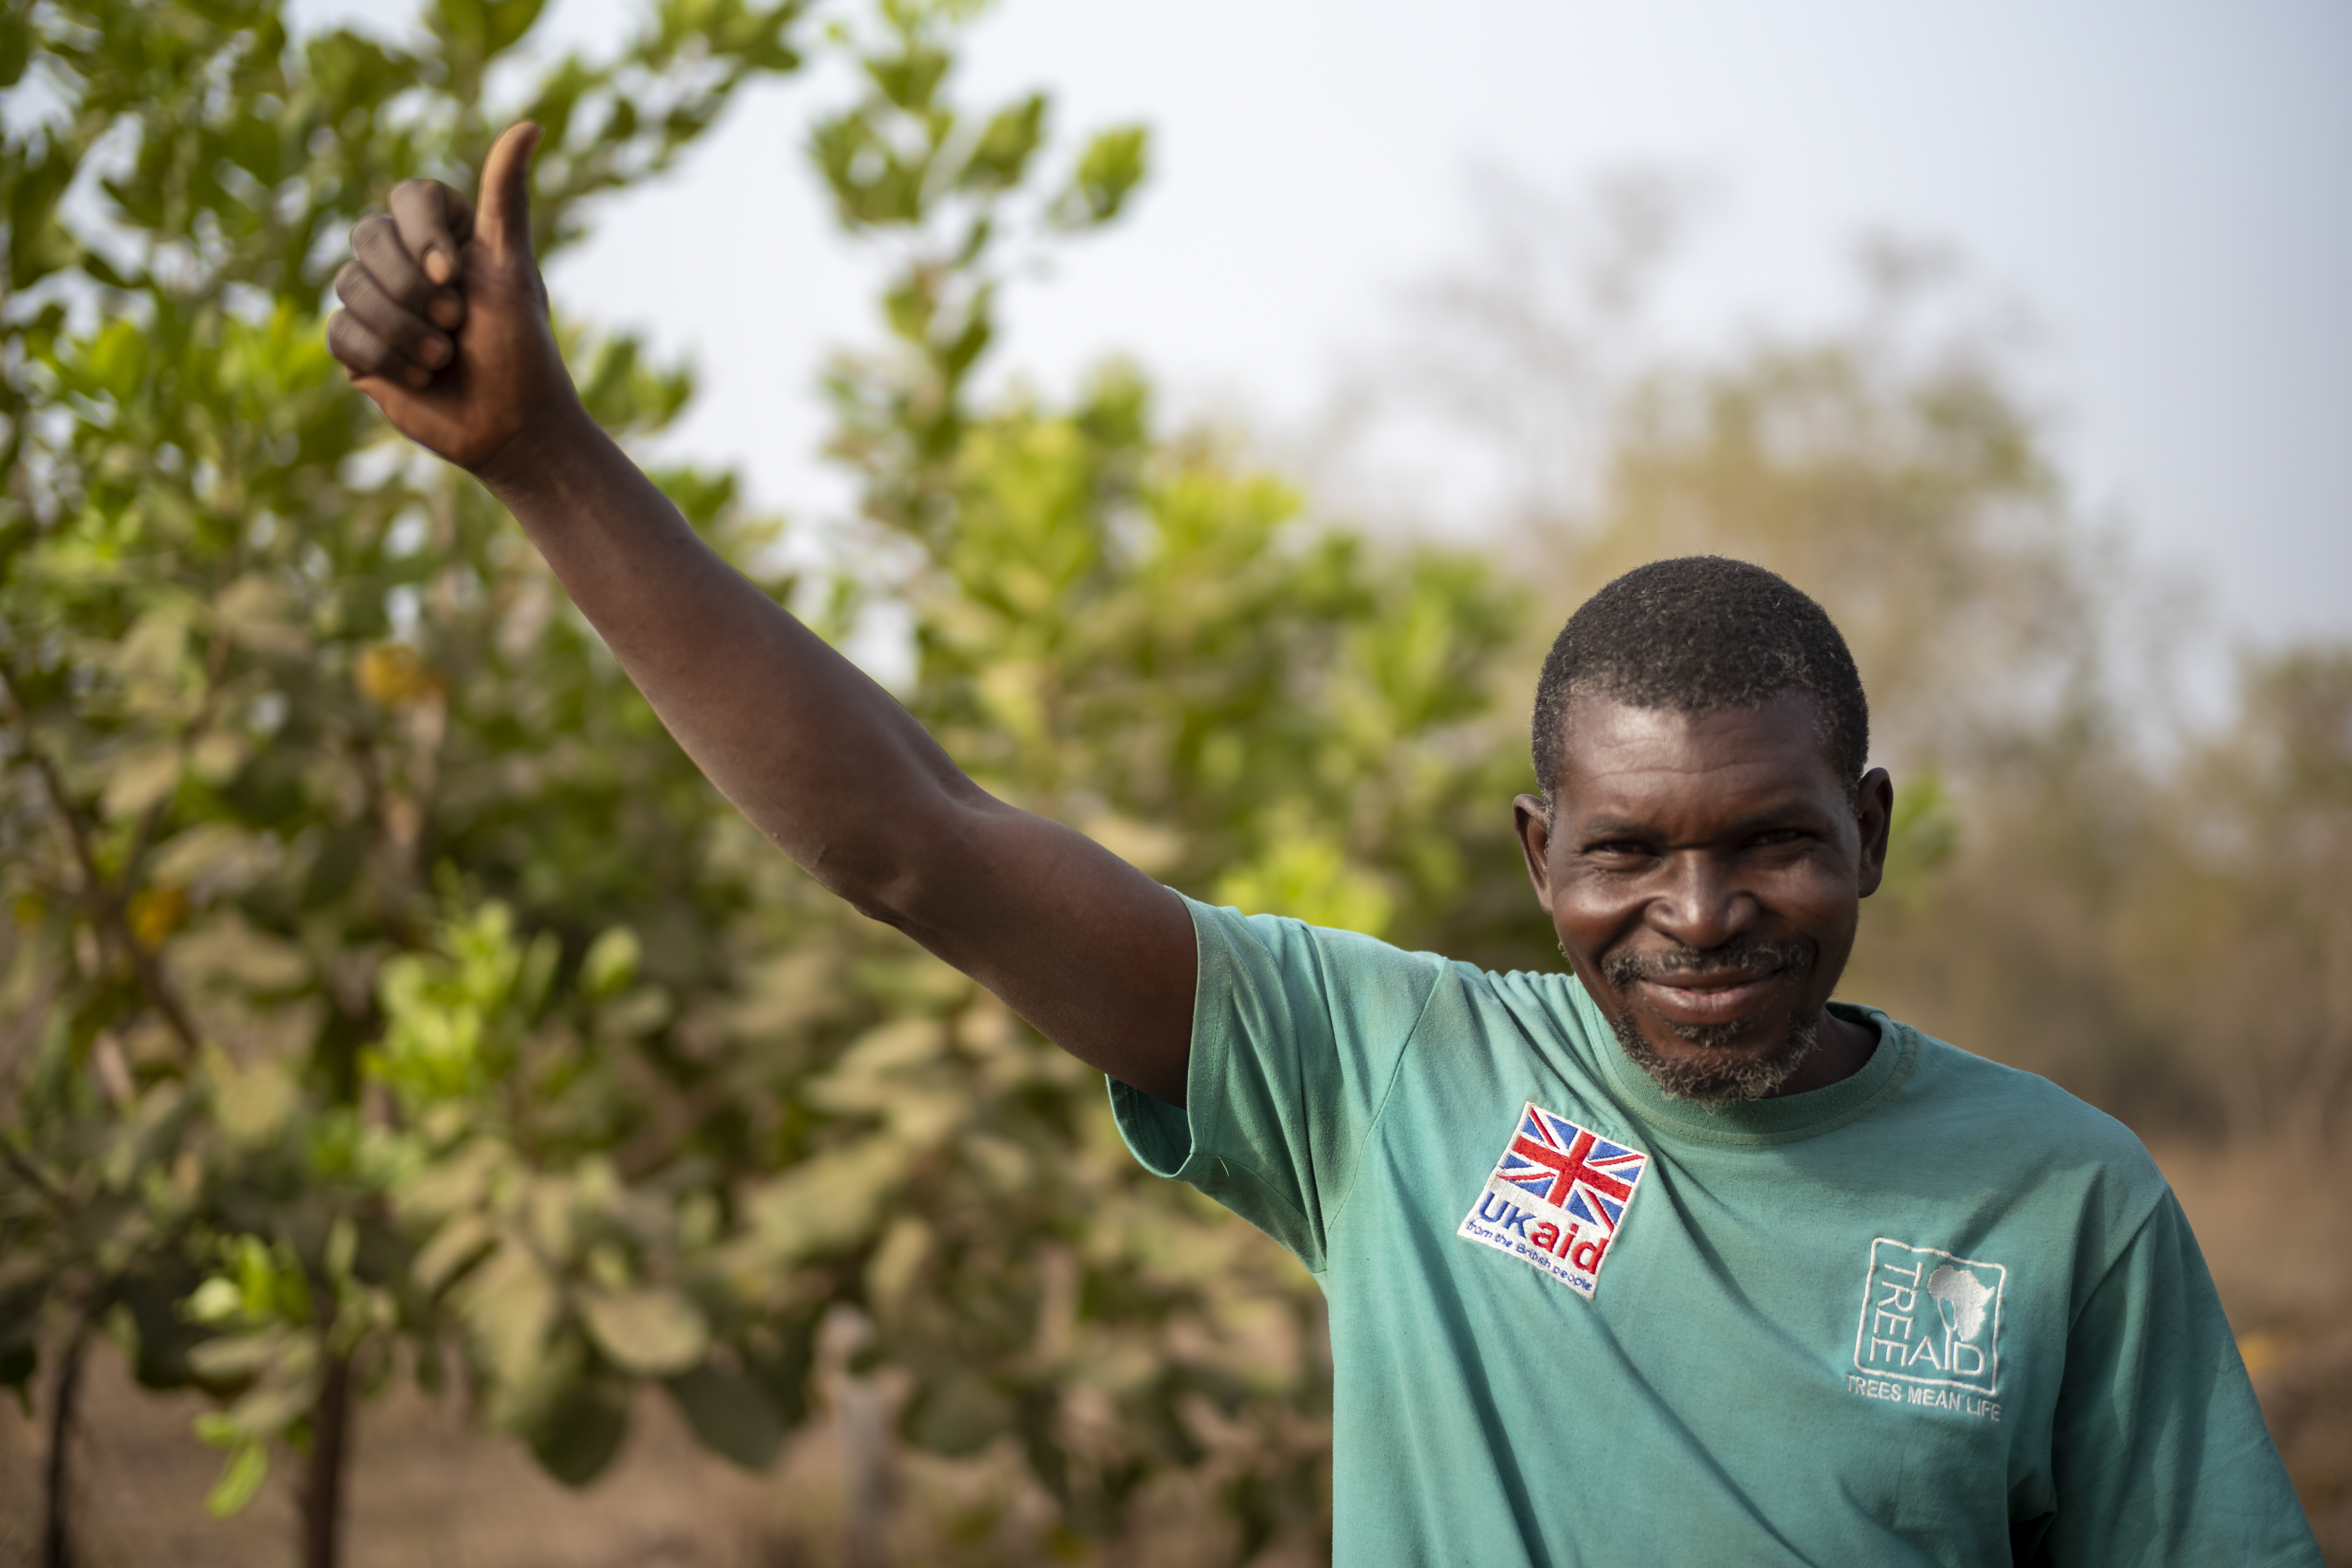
column 1743, row 960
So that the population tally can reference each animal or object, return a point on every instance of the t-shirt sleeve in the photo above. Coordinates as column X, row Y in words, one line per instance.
column 2159, row 1454
column 1298, row 1032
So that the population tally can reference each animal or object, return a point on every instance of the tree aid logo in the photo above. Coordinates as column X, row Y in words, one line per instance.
column 1556, row 1198
column 1930, row 1322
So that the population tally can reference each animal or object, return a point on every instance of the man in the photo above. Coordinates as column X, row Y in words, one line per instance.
column 1669, row 1259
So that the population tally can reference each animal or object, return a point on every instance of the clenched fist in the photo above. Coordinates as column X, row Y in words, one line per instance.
column 444, row 318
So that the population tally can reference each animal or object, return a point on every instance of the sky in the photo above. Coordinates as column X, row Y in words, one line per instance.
column 2162, row 190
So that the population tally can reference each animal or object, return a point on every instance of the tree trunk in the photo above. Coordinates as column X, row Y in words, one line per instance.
column 323, row 1482
column 56, row 1545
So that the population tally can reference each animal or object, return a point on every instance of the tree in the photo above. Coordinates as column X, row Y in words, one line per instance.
column 255, row 678
column 394, row 983
column 2236, row 934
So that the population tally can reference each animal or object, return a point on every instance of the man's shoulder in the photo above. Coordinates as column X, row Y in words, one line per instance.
column 2024, row 1122
column 1289, row 940
column 1357, row 981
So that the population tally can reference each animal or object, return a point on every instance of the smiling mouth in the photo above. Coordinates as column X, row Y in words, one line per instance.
column 1711, row 992
column 1711, row 999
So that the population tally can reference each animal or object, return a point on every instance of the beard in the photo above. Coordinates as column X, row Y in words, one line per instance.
column 1733, row 1079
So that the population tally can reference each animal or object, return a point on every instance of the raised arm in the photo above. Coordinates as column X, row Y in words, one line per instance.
column 446, row 326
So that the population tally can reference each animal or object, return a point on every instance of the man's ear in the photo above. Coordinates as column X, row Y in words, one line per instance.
column 1873, row 813
column 1533, row 820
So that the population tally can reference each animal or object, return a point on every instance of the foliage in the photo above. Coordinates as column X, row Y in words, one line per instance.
column 2235, row 933
column 262, row 676
column 388, row 980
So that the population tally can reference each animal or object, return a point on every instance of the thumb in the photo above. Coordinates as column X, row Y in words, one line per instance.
column 502, row 207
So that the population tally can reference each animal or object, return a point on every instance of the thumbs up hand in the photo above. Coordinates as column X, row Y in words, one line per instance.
column 444, row 319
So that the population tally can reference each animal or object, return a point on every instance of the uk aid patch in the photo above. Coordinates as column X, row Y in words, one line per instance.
column 1556, row 1198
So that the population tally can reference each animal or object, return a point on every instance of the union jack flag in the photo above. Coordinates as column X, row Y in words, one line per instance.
column 1555, row 1161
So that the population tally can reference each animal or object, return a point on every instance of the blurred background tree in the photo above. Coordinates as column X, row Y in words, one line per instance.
column 387, row 1000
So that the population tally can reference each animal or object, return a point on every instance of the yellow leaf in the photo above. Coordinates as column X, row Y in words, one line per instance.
column 157, row 913
column 394, row 675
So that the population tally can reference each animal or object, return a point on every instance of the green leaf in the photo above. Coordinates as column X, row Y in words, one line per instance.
column 37, row 243
column 539, row 967
column 582, row 1429
column 143, row 779
column 240, row 1481
column 873, row 186
column 255, row 1104
column 1001, row 157
column 23, row 1294
column 216, row 1301
column 151, row 1291
column 1114, row 164
column 487, row 28
column 909, row 79
column 116, row 361
column 611, row 964
column 958, row 1415
column 511, row 1306
column 456, row 1247
column 233, row 1357
column 15, row 45
column 729, row 1415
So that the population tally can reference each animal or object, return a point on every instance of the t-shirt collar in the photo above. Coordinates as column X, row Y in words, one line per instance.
column 1783, row 1120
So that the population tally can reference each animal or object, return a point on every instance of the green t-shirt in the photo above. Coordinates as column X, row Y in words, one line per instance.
column 1934, row 1314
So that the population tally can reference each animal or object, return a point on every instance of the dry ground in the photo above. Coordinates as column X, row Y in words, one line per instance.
column 2276, row 1229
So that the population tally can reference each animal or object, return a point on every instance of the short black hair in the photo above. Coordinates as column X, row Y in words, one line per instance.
column 1699, row 634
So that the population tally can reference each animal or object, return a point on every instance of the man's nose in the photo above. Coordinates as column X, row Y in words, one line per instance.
column 1703, row 904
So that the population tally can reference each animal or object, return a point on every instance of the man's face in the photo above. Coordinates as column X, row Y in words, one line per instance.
column 1705, row 873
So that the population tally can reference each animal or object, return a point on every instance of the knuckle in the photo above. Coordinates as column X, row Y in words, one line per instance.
column 372, row 235
column 404, row 330
column 358, row 347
